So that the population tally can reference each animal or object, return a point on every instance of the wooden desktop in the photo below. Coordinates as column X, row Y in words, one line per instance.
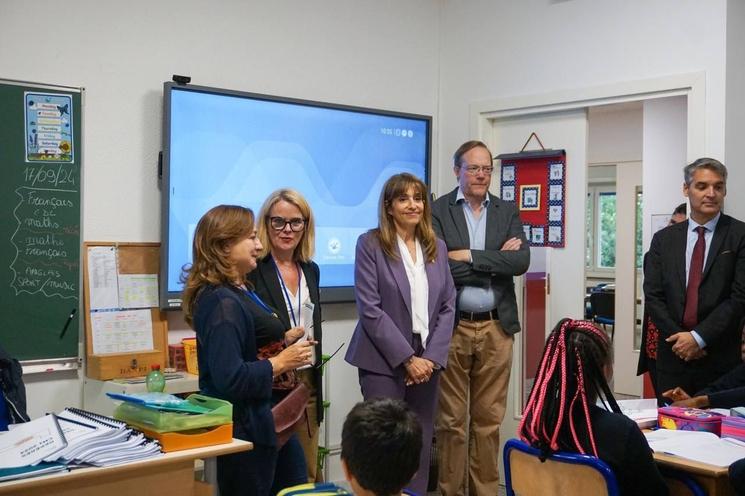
column 714, row 480
column 169, row 475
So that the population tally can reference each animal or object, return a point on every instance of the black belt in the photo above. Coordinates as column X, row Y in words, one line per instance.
column 479, row 316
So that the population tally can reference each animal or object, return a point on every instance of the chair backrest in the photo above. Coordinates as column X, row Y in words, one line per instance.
column 603, row 304
column 560, row 473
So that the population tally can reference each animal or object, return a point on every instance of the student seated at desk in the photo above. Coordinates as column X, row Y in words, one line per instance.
column 561, row 414
column 726, row 392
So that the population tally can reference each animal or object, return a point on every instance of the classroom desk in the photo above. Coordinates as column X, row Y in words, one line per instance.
column 170, row 475
column 713, row 479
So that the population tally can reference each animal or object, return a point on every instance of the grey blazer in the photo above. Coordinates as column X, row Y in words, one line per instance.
column 490, row 266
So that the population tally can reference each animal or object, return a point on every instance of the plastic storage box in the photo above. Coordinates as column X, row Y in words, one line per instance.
column 143, row 417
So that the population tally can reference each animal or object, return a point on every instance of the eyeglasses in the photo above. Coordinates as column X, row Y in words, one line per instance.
column 278, row 223
column 472, row 170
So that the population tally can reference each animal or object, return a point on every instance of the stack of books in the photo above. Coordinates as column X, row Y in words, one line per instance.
column 100, row 441
column 23, row 449
column 72, row 438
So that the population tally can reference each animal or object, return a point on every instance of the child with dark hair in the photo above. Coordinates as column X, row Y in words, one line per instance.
column 380, row 443
column 561, row 414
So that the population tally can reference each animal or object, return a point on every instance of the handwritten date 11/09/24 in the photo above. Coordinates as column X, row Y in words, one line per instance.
column 50, row 175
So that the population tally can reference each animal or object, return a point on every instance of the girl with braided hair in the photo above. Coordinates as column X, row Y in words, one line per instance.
column 562, row 415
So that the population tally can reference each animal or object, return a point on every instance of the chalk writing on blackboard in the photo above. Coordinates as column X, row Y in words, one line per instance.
column 46, row 258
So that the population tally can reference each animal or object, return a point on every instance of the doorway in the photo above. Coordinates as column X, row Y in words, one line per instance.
column 561, row 120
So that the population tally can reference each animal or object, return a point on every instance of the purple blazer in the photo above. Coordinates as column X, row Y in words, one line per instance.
column 382, row 340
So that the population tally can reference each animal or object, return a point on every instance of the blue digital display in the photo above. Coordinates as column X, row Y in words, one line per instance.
column 226, row 147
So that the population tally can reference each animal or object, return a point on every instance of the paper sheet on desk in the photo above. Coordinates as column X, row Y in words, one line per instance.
column 643, row 412
column 704, row 447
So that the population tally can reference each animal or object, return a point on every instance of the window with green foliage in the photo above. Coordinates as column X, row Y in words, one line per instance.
column 600, row 249
column 639, row 209
column 607, row 230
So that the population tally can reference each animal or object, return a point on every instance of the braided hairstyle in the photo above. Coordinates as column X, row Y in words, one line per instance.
column 570, row 377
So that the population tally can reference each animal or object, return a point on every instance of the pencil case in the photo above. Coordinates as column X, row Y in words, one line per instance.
column 733, row 427
column 689, row 419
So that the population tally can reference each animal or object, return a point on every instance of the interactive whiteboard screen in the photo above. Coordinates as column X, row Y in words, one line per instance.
column 228, row 147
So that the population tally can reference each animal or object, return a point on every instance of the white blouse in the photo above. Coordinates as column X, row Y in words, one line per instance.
column 417, row 276
column 295, row 305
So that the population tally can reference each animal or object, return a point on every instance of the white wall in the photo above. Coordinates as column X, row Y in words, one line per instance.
column 735, row 112
column 664, row 157
column 381, row 54
column 502, row 48
column 378, row 54
column 614, row 133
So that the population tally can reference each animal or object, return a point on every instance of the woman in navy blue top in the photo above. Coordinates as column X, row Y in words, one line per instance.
column 228, row 316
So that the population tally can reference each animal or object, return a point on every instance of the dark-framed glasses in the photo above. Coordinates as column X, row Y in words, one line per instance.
column 472, row 170
column 278, row 223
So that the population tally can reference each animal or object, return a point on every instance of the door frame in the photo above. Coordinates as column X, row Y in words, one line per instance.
column 484, row 119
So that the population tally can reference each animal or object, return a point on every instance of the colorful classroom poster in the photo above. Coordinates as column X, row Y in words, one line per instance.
column 536, row 182
column 49, row 130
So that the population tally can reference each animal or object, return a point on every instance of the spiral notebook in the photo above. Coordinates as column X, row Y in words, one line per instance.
column 100, row 440
column 29, row 443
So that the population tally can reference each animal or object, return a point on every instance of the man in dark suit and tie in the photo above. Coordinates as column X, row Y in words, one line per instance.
column 486, row 249
column 694, row 285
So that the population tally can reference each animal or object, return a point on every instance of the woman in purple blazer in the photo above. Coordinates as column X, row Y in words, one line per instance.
column 406, row 304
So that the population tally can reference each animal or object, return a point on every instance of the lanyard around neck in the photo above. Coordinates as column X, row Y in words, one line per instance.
column 287, row 293
column 251, row 294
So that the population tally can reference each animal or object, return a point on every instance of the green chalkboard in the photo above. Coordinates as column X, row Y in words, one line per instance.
column 40, row 156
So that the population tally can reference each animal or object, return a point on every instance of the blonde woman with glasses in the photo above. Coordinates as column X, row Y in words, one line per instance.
column 287, row 279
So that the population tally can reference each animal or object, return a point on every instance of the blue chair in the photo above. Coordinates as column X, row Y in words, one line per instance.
column 572, row 473
column 681, row 483
column 603, row 307
column 561, row 473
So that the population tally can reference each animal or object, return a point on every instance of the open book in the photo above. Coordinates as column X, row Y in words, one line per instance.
column 704, row 447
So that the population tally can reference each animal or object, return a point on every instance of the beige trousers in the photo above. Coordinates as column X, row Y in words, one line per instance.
column 475, row 382
column 307, row 432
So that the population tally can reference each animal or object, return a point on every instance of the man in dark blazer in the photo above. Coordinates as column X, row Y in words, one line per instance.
column 486, row 249
column 694, row 285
